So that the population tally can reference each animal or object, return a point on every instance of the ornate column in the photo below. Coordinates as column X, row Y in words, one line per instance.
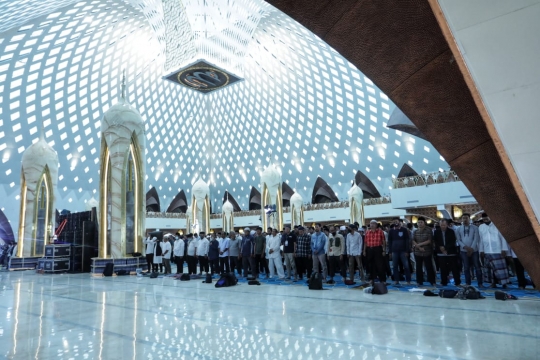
column 297, row 210
column 271, row 198
column 200, row 205
column 356, row 204
column 189, row 214
column 122, row 201
column 39, row 177
column 227, row 216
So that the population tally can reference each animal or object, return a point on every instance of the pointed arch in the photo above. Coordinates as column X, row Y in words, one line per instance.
column 363, row 182
column 232, row 200
column 287, row 193
column 322, row 192
column 254, row 199
column 179, row 203
column 152, row 200
column 406, row 171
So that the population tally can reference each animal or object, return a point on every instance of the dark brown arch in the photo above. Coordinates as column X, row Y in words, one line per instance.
column 6, row 232
column 254, row 199
column 152, row 200
column 287, row 193
column 400, row 46
column 322, row 192
column 232, row 200
column 406, row 171
column 363, row 182
column 179, row 203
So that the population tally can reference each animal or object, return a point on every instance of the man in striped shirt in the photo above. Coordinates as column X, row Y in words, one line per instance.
column 374, row 250
column 303, row 253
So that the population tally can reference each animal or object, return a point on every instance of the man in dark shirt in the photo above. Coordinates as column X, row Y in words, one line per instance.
column 446, row 243
column 303, row 253
column 400, row 248
column 247, row 254
column 260, row 248
column 288, row 240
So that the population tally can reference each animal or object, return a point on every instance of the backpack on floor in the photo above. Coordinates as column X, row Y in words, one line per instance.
column 315, row 282
column 379, row 288
column 208, row 279
column 232, row 279
column 469, row 293
column 109, row 269
column 154, row 275
column 448, row 293
column 226, row 280
column 185, row 277
column 501, row 295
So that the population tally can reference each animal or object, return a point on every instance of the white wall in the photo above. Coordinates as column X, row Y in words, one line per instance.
column 499, row 41
column 431, row 195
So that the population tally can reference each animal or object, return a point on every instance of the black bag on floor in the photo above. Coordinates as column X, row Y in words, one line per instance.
column 469, row 293
column 226, row 280
column 253, row 282
column 208, row 279
column 379, row 288
column 501, row 295
column 154, row 275
column 109, row 269
column 448, row 293
column 122, row 272
column 185, row 277
column 315, row 282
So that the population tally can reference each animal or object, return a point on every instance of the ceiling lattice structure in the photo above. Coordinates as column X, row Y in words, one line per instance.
column 301, row 105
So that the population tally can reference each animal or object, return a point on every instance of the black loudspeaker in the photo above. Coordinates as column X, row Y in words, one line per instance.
column 88, row 245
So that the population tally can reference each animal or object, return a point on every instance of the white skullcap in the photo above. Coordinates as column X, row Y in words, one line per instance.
column 373, row 221
column 246, row 229
column 154, row 238
column 343, row 228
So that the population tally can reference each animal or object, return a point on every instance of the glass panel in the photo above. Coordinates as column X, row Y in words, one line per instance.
column 41, row 226
column 130, row 205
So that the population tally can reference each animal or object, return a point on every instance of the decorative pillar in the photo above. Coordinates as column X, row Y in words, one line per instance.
column 122, row 201
column 297, row 210
column 356, row 204
column 200, row 206
column 271, row 198
column 39, row 177
column 189, row 230
column 227, row 216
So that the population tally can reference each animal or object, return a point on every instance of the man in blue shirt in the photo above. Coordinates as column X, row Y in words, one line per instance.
column 247, row 251
column 318, row 250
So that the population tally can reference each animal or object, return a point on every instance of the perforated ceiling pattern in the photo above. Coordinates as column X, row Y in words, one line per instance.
column 301, row 103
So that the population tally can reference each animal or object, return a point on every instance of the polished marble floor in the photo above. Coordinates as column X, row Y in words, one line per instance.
column 76, row 316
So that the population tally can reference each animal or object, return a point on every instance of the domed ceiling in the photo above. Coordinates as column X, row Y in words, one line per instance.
column 299, row 104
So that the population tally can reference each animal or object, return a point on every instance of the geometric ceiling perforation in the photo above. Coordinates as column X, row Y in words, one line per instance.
column 301, row 104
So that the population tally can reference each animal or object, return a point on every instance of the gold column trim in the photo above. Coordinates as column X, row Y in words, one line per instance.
column 450, row 39
column 22, row 216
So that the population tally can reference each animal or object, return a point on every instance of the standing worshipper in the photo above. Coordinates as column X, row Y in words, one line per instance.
column 234, row 252
column 288, row 240
column 224, row 245
column 260, row 249
column 158, row 256
column 335, row 254
column 422, row 240
column 202, row 254
column 178, row 250
column 149, row 250
column 303, row 253
column 213, row 255
column 354, row 251
column 493, row 248
column 468, row 239
column 398, row 241
column 318, row 245
column 273, row 244
column 446, row 242
column 166, row 249
column 191, row 253
column 247, row 254
column 374, row 251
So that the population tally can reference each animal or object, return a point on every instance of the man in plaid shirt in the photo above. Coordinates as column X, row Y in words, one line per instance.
column 303, row 253
column 374, row 250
